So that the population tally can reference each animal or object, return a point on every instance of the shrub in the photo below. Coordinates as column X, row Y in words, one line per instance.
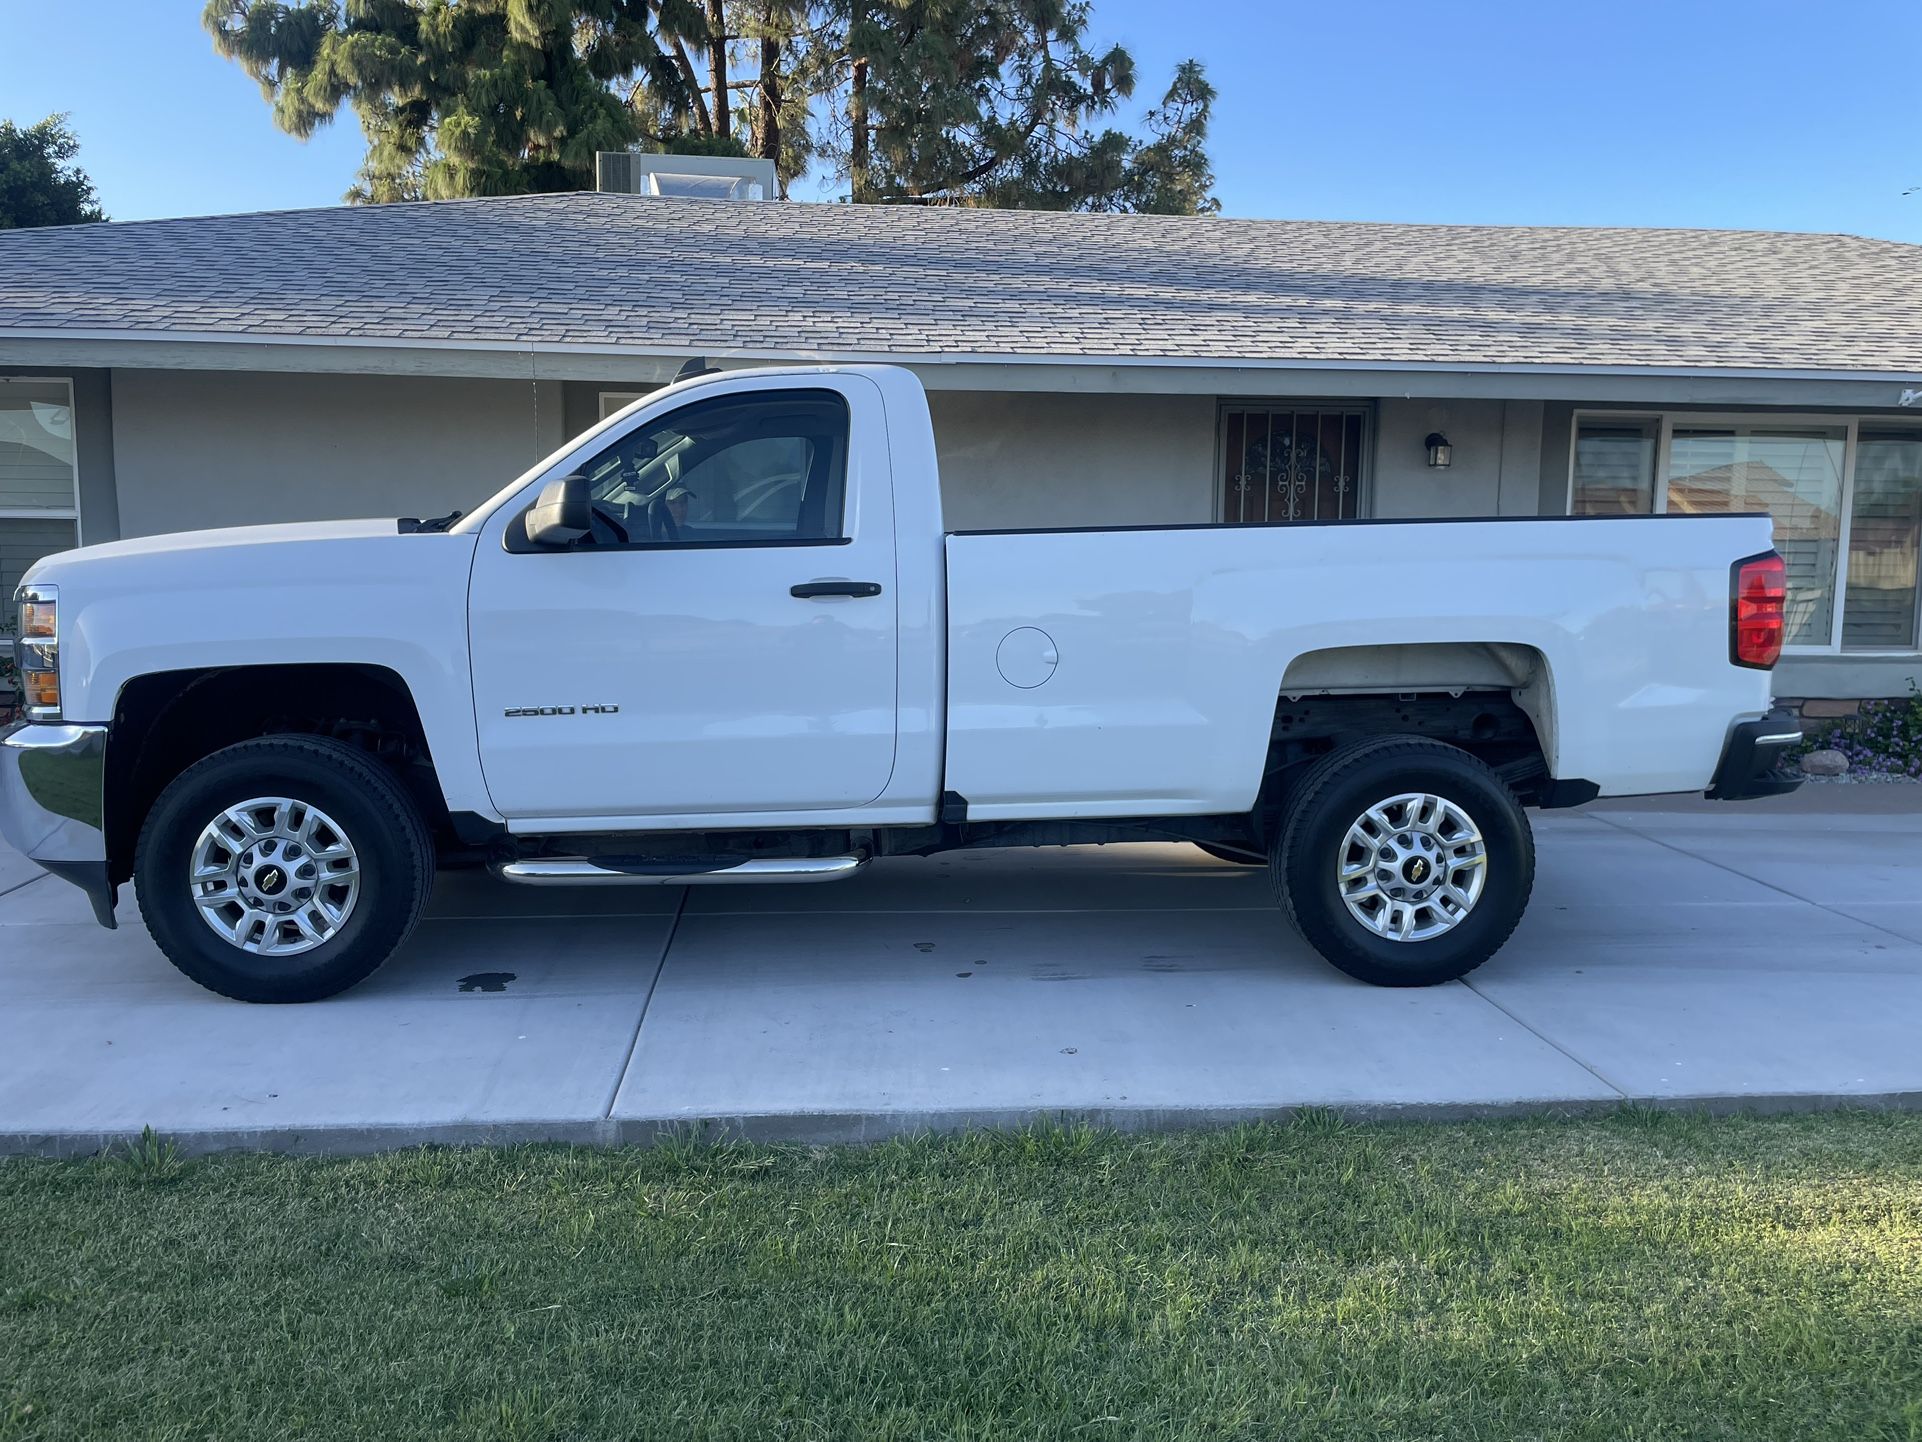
column 1884, row 736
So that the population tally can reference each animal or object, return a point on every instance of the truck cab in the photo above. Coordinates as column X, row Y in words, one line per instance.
column 745, row 619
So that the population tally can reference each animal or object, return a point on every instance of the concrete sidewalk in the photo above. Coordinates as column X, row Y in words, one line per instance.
column 1732, row 955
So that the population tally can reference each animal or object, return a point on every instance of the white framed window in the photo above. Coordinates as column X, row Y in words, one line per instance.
column 39, row 475
column 1884, row 529
column 1845, row 494
column 1612, row 466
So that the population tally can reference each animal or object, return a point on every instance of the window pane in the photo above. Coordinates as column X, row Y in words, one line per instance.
column 750, row 486
column 1614, row 468
column 1885, row 527
column 1796, row 476
column 1282, row 464
column 764, row 467
column 36, row 446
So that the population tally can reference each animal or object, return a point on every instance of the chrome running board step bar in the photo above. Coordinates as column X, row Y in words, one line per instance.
column 682, row 871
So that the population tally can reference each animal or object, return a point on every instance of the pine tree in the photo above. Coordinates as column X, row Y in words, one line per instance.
column 930, row 102
column 786, row 77
column 38, row 185
column 484, row 97
column 751, row 91
column 1171, row 174
column 999, row 102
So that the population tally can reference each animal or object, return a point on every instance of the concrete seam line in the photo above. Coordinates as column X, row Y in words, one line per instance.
column 21, row 885
column 1547, row 1041
column 1783, row 890
column 831, row 1128
column 634, row 1042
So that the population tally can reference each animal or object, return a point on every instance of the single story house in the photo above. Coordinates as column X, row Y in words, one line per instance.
column 1082, row 369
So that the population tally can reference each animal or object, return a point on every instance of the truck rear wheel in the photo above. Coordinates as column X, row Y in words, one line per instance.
column 284, row 869
column 1404, row 861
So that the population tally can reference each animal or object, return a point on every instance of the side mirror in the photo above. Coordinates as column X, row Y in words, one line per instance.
column 563, row 514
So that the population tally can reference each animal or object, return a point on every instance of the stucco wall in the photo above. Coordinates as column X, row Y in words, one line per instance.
column 209, row 448
column 1012, row 460
column 1497, row 458
column 202, row 448
column 1022, row 460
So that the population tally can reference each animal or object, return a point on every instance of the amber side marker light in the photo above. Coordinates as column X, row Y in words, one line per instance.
column 41, row 692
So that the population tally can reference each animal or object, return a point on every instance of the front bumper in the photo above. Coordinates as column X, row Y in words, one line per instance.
column 1750, row 756
column 53, row 804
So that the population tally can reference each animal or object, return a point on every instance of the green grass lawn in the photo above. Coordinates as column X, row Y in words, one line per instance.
column 1636, row 1276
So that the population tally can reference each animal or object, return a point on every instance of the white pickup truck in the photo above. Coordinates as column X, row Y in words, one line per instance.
column 723, row 638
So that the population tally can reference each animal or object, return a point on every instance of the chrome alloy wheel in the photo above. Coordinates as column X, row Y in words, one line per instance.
column 274, row 876
column 1412, row 867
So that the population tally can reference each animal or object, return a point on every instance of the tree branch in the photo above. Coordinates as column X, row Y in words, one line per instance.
column 693, row 86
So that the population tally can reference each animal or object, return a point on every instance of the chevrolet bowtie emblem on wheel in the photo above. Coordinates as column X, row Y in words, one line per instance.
column 1417, row 870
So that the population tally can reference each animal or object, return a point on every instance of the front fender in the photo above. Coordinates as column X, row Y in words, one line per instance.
column 279, row 596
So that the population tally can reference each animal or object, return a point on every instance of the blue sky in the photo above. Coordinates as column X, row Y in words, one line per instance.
column 1690, row 113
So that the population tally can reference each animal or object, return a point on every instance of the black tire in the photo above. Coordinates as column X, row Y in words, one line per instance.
column 1233, row 858
column 1335, row 792
column 394, row 848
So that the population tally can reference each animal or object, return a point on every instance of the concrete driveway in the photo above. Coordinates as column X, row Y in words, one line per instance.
column 1765, row 954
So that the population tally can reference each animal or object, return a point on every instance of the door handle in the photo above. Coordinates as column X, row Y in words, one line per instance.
column 812, row 590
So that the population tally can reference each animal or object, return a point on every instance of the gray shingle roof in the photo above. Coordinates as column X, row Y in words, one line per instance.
column 740, row 278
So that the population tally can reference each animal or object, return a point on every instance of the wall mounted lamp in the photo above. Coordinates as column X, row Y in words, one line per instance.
column 1440, row 454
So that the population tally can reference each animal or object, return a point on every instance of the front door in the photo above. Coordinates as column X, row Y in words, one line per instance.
column 664, row 666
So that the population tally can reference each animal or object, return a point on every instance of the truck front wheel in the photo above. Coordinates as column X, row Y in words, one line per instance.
column 283, row 869
column 1404, row 861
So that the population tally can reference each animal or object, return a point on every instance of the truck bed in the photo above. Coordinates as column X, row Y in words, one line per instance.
column 1170, row 647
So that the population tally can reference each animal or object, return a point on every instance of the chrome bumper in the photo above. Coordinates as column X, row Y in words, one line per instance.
column 53, row 804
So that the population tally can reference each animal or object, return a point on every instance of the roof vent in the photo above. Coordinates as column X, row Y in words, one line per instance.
column 707, row 177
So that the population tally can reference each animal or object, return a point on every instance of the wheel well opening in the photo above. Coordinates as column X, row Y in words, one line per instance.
column 165, row 722
column 1488, row 699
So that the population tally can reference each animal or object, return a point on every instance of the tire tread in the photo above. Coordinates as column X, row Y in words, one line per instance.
column 1329, row 769
column 380, row 787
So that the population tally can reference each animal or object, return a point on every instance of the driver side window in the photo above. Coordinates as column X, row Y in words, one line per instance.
column 767, row 468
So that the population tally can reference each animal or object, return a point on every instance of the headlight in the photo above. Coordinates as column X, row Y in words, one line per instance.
column 37, row 653
column 36, row 615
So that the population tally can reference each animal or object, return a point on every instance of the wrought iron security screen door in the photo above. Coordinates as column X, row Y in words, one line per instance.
column 1282, row 463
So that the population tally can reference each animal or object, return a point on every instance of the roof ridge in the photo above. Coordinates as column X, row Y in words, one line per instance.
column 964, row 212
column 341, row 207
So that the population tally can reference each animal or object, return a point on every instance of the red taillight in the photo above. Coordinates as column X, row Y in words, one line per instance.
column 1756, row 611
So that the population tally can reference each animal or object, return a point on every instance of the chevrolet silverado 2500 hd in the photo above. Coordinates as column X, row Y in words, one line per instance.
column 723, row 638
